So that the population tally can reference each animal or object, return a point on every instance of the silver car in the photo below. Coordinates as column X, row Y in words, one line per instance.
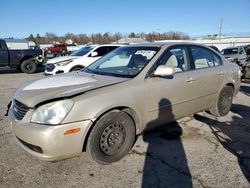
column 236, row 54
column 102, row 108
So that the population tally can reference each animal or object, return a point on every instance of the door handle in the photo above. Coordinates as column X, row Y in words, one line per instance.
column 190, row 79
column 220, row 73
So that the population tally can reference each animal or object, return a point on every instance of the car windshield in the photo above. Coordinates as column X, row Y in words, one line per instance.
column 230, row 51
column 82, row 51
column 123, row 62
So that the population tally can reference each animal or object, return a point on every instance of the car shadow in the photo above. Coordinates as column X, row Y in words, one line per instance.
column 6, row 70
column 165, row 163
column 233, row 135
column 9, row 70
column 245, row 90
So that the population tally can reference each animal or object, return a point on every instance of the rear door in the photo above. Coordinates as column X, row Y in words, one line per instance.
column 4, row 55
column 169, row 98
column 208, row 73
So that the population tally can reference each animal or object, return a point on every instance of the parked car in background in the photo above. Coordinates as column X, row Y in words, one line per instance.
column 236, row 54
column 78, row 59
column 58, row 48
column 245, row 71
column 25, row 60
column 102, row 108
column 241, row 56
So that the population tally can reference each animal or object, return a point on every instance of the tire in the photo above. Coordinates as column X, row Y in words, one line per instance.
column 28, row 66
column 111, row 138
column 223, row 103
column 77, row 68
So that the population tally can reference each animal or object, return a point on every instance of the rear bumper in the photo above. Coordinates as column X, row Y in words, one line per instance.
column 49, row 142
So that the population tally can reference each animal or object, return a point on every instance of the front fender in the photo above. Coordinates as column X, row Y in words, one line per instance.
column 92, row 105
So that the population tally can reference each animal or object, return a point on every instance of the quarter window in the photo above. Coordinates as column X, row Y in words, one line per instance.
column 241, row 51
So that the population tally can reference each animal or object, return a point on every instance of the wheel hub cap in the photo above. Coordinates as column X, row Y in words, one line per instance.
column 112, row 138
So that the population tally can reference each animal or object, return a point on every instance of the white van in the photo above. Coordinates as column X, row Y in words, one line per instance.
column 78, row 59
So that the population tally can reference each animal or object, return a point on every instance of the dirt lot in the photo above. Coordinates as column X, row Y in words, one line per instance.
column 198, row 151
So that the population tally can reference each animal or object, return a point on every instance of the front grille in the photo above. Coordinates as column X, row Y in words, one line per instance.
column 31, row 146
column 19, row 109
column 49, row 67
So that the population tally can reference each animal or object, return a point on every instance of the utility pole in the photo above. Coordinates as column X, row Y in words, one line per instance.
column 221, row 21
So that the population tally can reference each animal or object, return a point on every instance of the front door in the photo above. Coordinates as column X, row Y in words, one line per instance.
column 169, row 98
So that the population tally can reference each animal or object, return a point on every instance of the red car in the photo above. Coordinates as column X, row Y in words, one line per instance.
column 58, row 49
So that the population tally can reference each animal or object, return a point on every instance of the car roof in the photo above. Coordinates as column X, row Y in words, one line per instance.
column 235, row 47
column 164, row 44
column 109, row 45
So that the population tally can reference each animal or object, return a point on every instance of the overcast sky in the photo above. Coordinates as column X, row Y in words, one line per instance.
column 20, row 18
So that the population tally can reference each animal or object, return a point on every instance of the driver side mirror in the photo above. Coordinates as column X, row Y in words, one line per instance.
column 94, row 54
column 163, row 71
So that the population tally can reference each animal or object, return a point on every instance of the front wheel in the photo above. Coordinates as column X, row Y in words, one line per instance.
column 28, row 66
column 111, row 138
column 223, row 103
column 76, row 68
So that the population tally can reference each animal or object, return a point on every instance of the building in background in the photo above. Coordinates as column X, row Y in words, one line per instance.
column 220, row 43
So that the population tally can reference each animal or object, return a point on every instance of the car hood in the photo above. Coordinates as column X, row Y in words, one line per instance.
column 61, row 86
column 61, row 59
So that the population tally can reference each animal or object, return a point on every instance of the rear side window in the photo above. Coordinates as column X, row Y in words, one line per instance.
column 203, row 58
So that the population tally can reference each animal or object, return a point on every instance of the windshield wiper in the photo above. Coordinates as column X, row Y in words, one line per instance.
column 93, row 71
column 106, row 73
column 88, row 70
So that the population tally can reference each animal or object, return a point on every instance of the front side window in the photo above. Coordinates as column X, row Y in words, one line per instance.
column 204, row 58
column 124, row 61
column 230, row 51
column 101, row 51
column 176, row 58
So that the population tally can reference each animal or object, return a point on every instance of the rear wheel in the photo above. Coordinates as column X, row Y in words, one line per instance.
column 223, row 103
column 28, row 66
column 111, row 138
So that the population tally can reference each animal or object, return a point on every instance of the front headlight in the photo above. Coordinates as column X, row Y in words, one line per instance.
column 52, row 113
column 64, row 63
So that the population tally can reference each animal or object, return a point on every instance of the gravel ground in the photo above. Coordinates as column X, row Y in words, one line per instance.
column 198, row 151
